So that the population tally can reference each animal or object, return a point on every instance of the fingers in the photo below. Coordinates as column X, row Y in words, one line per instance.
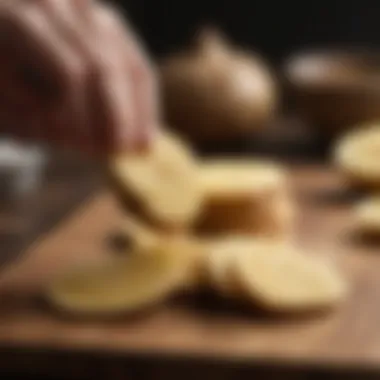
column 145, row 88
column 36, row 38
column 140, row 76
column 12, row 96
column 145, row 97
column 66, row 16
column 105, row 100
column 84, row 70
column 115, row 83
column 20, row 110
column 19, row 99
column 41, row 50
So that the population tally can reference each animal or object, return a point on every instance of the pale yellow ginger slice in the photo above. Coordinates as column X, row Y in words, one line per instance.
column 161, row 184
column 236, row 178
column 248, row 196
column 144, row 238
column 366, row 216
column 286, row 280
column 217, row 264
column 221, row 254
column 357, row 154
column 123, row 285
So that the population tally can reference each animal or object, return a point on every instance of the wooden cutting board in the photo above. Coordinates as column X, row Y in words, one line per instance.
column 345, row 337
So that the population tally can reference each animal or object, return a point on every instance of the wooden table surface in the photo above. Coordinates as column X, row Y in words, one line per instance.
column 195, row 330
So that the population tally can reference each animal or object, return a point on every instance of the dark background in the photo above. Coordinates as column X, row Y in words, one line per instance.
column 276, row 28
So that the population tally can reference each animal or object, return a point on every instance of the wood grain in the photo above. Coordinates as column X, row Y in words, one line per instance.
column 347, row 337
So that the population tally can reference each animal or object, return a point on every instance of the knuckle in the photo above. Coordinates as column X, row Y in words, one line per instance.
column 101, row 69
column 110, row 14
column 73, row 71
column 107, row 18
column 105, row 66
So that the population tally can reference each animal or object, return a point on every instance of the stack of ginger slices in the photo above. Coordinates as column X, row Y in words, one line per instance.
column 222, row 224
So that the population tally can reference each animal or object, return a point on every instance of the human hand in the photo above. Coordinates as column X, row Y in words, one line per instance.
column 74, row 75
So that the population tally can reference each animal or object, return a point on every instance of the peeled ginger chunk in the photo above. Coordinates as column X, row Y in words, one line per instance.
column 245, row 196
column 285, row 280
column 358, row 156
column 162, row 183
column 122, row 285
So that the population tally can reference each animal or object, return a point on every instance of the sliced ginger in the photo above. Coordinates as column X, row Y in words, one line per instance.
column 245, row 196
column 217, row 264
column 366, row 217
column 282, row 279
column 220, row 258
column 265, row 272
column 237, row 178
column 145, row 238
column 271, row 274
column 123, row 285
column 162, row 183
column 358, row 155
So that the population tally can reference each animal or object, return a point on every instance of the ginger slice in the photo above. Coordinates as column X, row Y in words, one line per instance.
column 160, row 184
column 123, row 285
column 357, row 154
column 237, row 178
column 222, row 253
column 366, row 216
column 144, row 238
column 245, row 196
column 217, row 268
column 285, row 280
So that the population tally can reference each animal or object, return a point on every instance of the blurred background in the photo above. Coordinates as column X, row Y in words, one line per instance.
column 274, row 28
column 345, row 33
